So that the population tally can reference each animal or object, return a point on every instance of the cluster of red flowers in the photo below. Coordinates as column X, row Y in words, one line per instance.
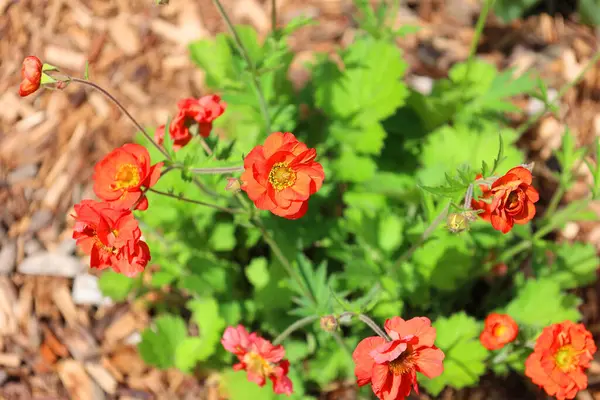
column 562, row 353
column 509, row 200
column 202, row 111
column 107, row 230
column 259, row 358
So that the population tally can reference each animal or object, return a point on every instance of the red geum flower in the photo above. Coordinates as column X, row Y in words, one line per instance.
column 111, row 237
column 498, row 330
column 391, row 366
column 259, row 358
column 202, row 111
column 562, row 353
column 512, row 200
column 122, row 174
column 281, row 175
column 31, row 75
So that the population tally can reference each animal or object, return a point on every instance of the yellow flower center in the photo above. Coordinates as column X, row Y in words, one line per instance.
column 257, row 364
column 404, row 363
column 566, row 358
column 500, row 330
column 127, row 176
column 281, row 176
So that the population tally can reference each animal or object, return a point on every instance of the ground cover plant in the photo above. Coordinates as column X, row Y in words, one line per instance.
column 354, row 228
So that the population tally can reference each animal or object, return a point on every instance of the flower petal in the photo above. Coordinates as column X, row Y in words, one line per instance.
column 363, row 361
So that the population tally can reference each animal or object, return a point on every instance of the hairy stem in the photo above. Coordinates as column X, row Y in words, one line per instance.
column 218, row 170
column 123, row 110
column 487, row 5
column 293, row 327
column 202, row 203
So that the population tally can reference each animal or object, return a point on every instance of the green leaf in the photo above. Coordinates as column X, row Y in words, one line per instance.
column 159, row 345
column 205, row 313
column 238, row 387
column 186, row 353
column 215, row 58
column 370, row 87
column 589, row 10
column 509, row 10
column 353, row 168
column 575, row 265
column 363, row 138
column 86, row 71
column 541, row 302
column 390, row 232
column 114, row 285
column 223, row 237
column 258, row 273
column 458, row 338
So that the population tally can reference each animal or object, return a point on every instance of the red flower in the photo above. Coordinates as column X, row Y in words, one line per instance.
column 561, row 355
column 120, row 176
column 391, row 367
column 259, row 358
column 111, row 237
column 31, row 75
column 512, row 198
column 281, row 175
column 202, row 111
column 498, row 330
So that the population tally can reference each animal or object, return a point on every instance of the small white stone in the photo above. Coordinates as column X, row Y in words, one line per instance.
column 8, row 257
column 86, row 291
column 51, row 264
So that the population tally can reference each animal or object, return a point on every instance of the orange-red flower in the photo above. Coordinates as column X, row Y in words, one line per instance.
column 202, row 111
column 120, row 176
column 498, row 330
column 281, row 175
column 391, row 367
column 259, row 358
column 558, row 362
column 31, row 75
column 509, row 200
column 111, row 237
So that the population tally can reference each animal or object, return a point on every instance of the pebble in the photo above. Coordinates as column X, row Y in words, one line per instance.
column 535, row 106
column 67, row 246
column 86, row 291
column 8, row 257
column 32, row 246
column 422, row 84
column 51, row 264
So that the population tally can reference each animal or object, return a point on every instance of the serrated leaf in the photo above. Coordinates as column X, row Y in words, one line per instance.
column 541, row 302
column 370, row 87
column 351, row 167
column 205, row 313
column 158, row 346
column 223, row 237
column 575, row 265
column 458, row 338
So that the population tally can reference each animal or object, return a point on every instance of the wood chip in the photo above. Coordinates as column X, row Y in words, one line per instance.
column 104, row 379
column 8, row 299
column 62, row 298
column 120, row 329
column 124, row 35
column 63, row 57
column 77, row 382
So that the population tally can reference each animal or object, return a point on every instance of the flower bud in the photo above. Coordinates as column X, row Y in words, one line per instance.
column 459, row 222
column 31, row 75
column 329, row 323
column 233, row 185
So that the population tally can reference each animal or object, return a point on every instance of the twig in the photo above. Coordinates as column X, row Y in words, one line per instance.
column 293, row 327
column 202, row 203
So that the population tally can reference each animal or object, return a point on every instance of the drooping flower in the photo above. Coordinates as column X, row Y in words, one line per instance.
column 202, row 111
column 561, row 355
column 510, row 200
column 391, row 366
column 111, row 237
column 281, row 175
column 259, row 358
column 121, row 176
column 498, row 330
column 31, row 75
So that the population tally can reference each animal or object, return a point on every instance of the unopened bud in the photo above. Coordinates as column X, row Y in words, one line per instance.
column 459, row 222
column 329, row 323
column 499, row 269
column 528, row 166
column 233, row 185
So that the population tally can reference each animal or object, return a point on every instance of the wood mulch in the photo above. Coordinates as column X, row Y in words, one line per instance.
column 58, row 337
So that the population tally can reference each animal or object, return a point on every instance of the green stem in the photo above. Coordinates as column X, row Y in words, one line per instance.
column 240, row 45
column 202, row 203
column 487, row 5
column 123, row 110
column 555, row 200
column 218, row 170
column 293, row 327
column 563, row 90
